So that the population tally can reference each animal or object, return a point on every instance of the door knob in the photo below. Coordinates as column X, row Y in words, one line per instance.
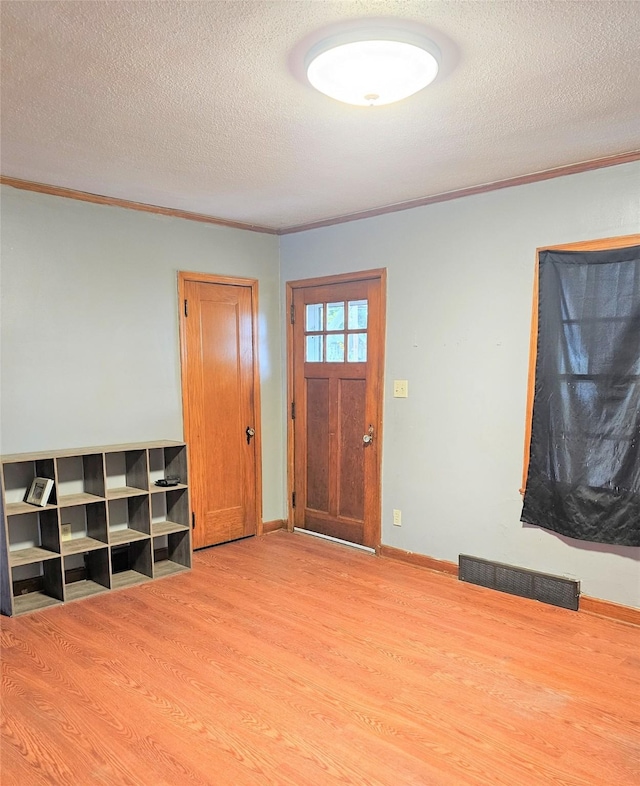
column 368, row 437
column 250, row 432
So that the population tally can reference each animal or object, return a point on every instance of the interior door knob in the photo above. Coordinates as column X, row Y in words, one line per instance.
column 250, row 432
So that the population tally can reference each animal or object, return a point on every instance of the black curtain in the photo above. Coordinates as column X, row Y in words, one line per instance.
column 584, row 463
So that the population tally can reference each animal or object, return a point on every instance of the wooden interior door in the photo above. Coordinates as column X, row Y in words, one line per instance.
column 219, row 386
column 337, row 348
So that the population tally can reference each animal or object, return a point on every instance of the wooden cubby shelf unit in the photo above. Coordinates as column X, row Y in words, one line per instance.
column 105, row 526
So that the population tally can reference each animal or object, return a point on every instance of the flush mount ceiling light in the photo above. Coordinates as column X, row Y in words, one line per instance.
column 373, row 67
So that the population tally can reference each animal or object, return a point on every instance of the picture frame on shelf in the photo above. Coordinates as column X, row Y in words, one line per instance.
column 40, row 492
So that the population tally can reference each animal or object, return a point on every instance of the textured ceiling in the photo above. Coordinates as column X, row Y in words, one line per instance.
column 202, row 106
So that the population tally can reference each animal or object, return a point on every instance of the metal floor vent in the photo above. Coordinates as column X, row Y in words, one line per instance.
column 519, row 581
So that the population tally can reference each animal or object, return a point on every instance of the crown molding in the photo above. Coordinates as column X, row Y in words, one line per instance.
column 534, row 177
column 98, row 199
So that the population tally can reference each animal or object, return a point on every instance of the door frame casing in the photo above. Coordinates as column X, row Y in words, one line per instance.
column 374, row 505
column 252, row 283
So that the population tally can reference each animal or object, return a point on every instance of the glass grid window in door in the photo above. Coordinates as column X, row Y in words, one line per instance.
column 335, row 332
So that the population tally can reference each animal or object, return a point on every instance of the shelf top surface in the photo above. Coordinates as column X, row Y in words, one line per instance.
column 117, row 537
column 79, row 545
column 178, row 487
column 12, row 458
column 81, row 498
column 125, row 491
column 20, row 508
column 159, row 528
column 33, row 601
column 29, row 555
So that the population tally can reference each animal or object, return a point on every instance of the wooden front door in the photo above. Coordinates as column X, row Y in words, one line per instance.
column 337, row 365
column 219, row 388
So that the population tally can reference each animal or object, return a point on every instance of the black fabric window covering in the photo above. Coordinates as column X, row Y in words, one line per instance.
column 584, row 464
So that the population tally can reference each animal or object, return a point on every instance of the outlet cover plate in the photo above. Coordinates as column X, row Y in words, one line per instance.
column 400, row 388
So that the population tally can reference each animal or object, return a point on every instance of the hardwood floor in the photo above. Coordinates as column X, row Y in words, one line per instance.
column 293, row 661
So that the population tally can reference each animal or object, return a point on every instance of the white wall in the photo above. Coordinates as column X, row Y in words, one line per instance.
column 90, row 351
column 460, row 278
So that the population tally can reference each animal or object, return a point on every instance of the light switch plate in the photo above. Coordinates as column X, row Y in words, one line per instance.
column 400, row 388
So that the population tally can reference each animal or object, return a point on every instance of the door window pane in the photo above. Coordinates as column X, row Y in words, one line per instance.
column 313, row 352
column 335, row 348
column 358, row 313
column 314, row 314
column 357, row 348
column 335, row 316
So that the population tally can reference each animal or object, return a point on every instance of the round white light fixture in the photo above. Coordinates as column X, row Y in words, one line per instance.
column 373, row 67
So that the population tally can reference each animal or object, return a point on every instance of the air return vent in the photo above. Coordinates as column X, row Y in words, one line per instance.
column 518, row 581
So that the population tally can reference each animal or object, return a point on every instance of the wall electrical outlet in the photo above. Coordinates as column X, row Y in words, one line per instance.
column 400, row 388
column 397, row 518
column 65, row 531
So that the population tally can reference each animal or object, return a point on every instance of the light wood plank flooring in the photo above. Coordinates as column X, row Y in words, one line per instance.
column 293, row 661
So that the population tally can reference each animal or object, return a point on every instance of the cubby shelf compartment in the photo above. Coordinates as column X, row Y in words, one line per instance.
column 177, row 551
column 87, row 528
column 171, row 531
column 80, row 479
column 95, row 578
column 136, row 561
column 17, row 477
column 127, row 474
column 33, row 536
column 47, row 577
column 129, row 519
column 169, row 461
column 98, row 531
column 170, row 511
